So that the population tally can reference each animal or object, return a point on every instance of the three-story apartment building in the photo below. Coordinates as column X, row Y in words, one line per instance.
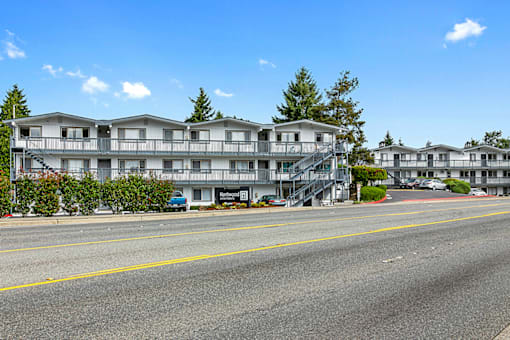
column 483, row 166
column 296, row 159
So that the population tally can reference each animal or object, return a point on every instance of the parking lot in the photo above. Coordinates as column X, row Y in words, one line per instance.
column 399, row 195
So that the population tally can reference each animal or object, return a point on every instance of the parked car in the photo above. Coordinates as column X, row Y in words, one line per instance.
column 433, row 184
column 412, row 183
column 178, row 201
column 477, row 192
column 273, row 200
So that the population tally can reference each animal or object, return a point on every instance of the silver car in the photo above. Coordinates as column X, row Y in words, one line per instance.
column 477, row 192
column 433, row 184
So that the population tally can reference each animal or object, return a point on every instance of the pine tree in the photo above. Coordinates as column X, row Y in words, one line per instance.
column 341, row 110
column 14, row 97
column 388, row 140
column 218, row 115
column 202, row 109
column 302, row 99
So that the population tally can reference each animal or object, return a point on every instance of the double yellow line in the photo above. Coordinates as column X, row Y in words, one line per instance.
column 202, row 257
column 244, row 228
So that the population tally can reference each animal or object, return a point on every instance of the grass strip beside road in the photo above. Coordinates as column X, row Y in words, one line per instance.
column 243, row 228
column 205, row 256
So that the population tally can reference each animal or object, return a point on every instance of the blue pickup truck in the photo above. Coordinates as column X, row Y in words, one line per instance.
column 178, row 201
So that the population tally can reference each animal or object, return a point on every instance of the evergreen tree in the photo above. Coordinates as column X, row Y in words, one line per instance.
column 14, row 97
column 471, row 143
column 341, row 110
column 388, row 140
column 400, row 142
column 202, row 109
column 302, row 99
column 218, row 115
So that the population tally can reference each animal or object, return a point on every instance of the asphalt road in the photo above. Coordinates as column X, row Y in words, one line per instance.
column 404, row 271
column 402, row 195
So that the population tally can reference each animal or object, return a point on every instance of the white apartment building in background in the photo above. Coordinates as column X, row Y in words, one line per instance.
column 296, row 159
column 483, row 166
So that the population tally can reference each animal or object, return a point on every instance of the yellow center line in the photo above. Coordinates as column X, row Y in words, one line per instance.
column 205, row 256
column 244, row 228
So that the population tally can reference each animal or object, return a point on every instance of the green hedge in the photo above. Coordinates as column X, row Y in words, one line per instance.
column 382, row 186
column 457, row 186
column 372, row 194
column 45, row 194
column 5, row 195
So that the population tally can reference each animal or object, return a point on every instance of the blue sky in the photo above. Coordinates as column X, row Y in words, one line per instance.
column 138, row 57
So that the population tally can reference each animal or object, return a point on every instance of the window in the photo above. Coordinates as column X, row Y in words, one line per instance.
column 74, row 132
column 403, row 156
column 287, row 137
column 506, row 173
column 133, row 134
column 464, row 173
column 75, row 165
column 131, row 165
column 284, row 166
column 443, row 157
column 384, row 156
column 492, row 156
column 173, row 165
column 202, row 194
column 26, row 164
column 418, row 157
column 241, row 166
column 237, row 136
column 173, row 135
column 493, row 173
column 199, row 135
column 324, row 167
column 30, row 131
column 201, row 165
column 324, row 137
column 472, row 157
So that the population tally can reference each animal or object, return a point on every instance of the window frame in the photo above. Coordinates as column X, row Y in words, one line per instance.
column 201, row 195
column 29, row 127
column 83, row 128
column 172, row 169
column 132, row 140
column 85, row 164
column 128, row 170
column 200, row 169
column 246, row 140
column 204, row 141
column 279, row 139
column 172, row 140
column 236, row 169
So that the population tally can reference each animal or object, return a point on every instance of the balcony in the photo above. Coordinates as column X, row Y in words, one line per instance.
column 162, row 147
column 443, row 164
column 199, row 176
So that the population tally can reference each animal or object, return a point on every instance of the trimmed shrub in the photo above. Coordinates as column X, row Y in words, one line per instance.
column 194, row 207
column 457, row 186
column 46, row 200
column 5, row 195
column 89, row 194
column 111, row 195
column 363, row 174
column 382, row 186
column 372, row 194
column 159, row 193
column 25, row 194
column 69, row 194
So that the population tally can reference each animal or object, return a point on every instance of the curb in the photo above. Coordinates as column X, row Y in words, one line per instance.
column 446, row 198
column 376, row 202
column 43, row 221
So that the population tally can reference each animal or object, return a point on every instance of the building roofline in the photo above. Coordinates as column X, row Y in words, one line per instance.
column 227, row 119
column 148, row 116
column 487, row 147
column 50, row 114
column 395, row 146
column 312, row 122
column 437, row 146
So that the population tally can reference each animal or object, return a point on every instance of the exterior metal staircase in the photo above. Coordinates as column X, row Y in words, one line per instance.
column 39, row 160
column 311, row 181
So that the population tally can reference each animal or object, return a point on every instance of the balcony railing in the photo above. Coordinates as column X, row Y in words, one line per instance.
column 474, row 181
column 443, row 164
column 160, row 146
column 196, row 176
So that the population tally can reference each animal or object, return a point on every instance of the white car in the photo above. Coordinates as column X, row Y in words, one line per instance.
column 477, row 192
column 433, row 184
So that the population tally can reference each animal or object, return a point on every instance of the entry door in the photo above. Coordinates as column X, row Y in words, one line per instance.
column 263, row 170
column 104, row 169
column 104, row 141
column 472, row 177
column 263, row 144
column 396, row 160
column 430, row 161
column 484, row 160
column 484, row 177
column 396, row 180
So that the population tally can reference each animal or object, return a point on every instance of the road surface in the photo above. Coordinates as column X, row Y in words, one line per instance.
column 395, row 271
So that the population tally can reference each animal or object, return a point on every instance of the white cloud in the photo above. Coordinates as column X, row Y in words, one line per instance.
column 9, row 33
column 135, row 90
column 51, row 70
column 177, row 83
column 220, row 93
column 93, row 85
column 116, row 94
column 465, row 30
column 263, row 62
column 13, row 51
column 76, row 74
